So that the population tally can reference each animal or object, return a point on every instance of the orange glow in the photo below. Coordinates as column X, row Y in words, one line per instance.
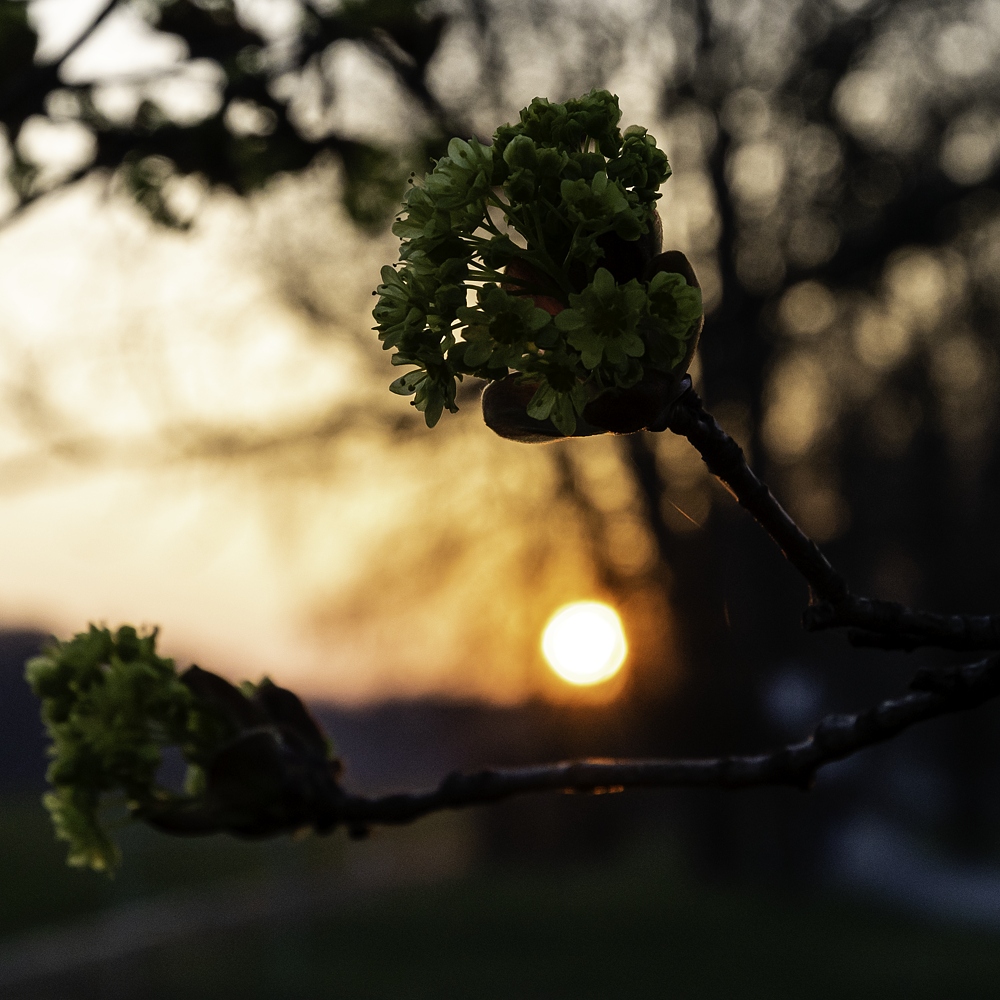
column 584, row 642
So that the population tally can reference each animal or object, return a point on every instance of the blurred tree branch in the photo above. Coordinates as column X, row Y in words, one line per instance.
column 251, row 134
column 32, row 83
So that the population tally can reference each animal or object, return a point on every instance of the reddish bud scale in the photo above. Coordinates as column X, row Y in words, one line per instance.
column 528, row 278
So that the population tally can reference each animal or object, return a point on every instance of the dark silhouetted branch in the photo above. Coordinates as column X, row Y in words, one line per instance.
column 32, row 86
column 836, row 737
column 95, row 23
column 873, row 623
column 277, row 748
column 888, row 625
column 725, row 460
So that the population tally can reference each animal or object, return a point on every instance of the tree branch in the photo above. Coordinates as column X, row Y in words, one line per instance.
column 38, row 80
column 888, row 625
column 934, row 692
column 274, row 773
column 86, row 33
column 725, row 460
column 874, row 623
column 836, row 737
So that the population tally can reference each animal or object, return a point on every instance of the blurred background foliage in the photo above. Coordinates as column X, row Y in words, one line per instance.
column 837, row 186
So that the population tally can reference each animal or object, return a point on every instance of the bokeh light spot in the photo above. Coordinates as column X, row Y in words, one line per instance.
column 584, row 642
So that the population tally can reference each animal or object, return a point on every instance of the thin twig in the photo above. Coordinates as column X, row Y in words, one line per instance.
column 87, row 32
column 836, row 737
column 888, row 625
column 40, row 79
column 312, row 796
column 873, row 623
column 725, row 460
column 934, row 692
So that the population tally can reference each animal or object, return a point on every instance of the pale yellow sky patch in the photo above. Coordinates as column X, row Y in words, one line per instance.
column 121, row 343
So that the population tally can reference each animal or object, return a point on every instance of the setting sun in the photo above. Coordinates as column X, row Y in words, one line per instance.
column 584, row 642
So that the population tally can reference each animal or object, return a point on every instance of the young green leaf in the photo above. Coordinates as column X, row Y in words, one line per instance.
column 112, row 705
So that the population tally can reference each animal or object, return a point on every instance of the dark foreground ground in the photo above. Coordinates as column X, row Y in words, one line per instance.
column 414, row 914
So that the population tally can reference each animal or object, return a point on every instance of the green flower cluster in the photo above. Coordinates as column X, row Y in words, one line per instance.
column 496, row 233
column 111, row 705
column 257, row 762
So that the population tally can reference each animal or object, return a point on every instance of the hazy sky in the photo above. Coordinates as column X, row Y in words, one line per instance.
column 110, row 332
column 122, row 346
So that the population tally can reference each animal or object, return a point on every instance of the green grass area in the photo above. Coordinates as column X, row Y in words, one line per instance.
column 635, row 927
column 40, row 890
column 628, row 930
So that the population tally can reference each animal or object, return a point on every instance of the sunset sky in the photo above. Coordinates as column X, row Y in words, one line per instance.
column 130, row 358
